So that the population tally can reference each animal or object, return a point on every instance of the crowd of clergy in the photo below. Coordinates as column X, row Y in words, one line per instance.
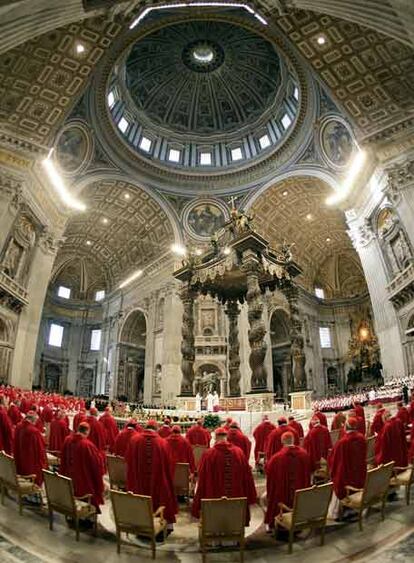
column 33, row 424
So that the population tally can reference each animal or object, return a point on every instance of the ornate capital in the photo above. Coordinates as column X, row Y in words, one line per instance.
column 400, row 176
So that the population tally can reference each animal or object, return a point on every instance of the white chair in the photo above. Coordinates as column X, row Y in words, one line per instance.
column 22, row 485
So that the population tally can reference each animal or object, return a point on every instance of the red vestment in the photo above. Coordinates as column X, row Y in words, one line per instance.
column 29, row 451
column 14, row 414
column 404, row 416
column 180, row 451
column 274, row 440
column 391, row 444
column 260, row 435
column 149, row 471
column 348, row 462
column 6, row 432
column 111, row 428
column 165, row 431
column 58, row 432
column 47, row 414
column 338, row 421
column 297, row 427
column 82, row 462
column 122, row 441
column 286, row 472
column 77, row 419
column 359, row 411
column 97, row 434
column 198, row 436
column 236, row 437
column 377, row 422
column 317, row 443
column 411, row 411
column 224, row 472
column 322, row 418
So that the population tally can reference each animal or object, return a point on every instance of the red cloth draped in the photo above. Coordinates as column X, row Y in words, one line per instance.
column 411, row 411
column 236, row 437
column 348, row 462
column 297, row 427
column 14, row 414
column 404, row 416
column 338, row 421
column 274, row 440
column 359, row 411
column 47, row 414
column 224, row 471
column 260, row 435
column 165, row 431
column 391, row 444
column 97, row 434
column 180, row 451
column 82, row 462
column 29, row 451
column 122, row 441
column 111, row 428
column 58, row 432
column 317, row 443
column 149, row 471
column 198, row 436
column 377, row 422
column 77, row 419
column 6, row 432
column 286, row 472
column 322, row 418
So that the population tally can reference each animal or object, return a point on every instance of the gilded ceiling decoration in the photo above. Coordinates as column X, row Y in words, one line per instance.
column 294, row 210
column 122, row 230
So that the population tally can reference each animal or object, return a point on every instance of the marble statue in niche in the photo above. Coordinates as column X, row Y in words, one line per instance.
column 204, row 219
column 157, row 381
column 401, row 250
column 337, row 143
column 12, row 258
column 72, row 149
column 16, row 260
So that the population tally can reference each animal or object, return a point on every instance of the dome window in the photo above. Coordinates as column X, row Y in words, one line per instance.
column 264, row 141
column 286, row 121
column 205, row 158
column 236, row 154
column 99, row 295
column 145, row 144
column 123, row 124
column 111, row 99
column 64, row 292
column 296, row 93
column 174, row 155
column 319, row 292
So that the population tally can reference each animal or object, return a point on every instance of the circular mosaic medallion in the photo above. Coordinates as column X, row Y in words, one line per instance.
column 337, row 142
column 73, row 148
column 204, row 218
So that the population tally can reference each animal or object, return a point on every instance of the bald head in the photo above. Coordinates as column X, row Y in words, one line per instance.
column 288, row 439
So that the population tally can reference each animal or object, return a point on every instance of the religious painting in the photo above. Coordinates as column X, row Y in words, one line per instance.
column 204, row 219
column 337, row 143
column 72, row 149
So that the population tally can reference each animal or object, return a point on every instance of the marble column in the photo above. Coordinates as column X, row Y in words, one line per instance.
column 232, row 311
column 400, row 192
column 150, row 347
column 297, row 341
column 30, row 317
column 257, row 332
column 171, row 357
column 187, row 344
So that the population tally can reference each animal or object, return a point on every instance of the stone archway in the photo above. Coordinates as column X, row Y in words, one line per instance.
column 281, row 352
column 131, row 363
column 208, row 377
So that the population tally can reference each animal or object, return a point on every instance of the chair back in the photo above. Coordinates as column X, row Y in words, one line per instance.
column 370, row 450
column 182, row 479
column 59, row 492
column 133, row 511
column 311, row 505
column 8, row 474
column 335, row 435
column 377, row 482
column 116, row 471
column 223, row 517
column 198, row 452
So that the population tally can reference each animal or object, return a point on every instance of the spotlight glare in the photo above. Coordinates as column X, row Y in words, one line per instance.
column 321, row 40
column 80, row 48
column 88, row 242
column 131, row 278
column 226, row 250
column 354, row 169
column 57, row 182
column 178, row 249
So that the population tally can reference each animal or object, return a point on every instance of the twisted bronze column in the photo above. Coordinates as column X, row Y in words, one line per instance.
column 232, row 311
column 187, row 296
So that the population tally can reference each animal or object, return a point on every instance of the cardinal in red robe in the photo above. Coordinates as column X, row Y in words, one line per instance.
column 317, row 443
column 6, row 431
column 274, row 440
column 30, row 448
column 180, row 450
column 47, row 414
column 111, row 428
column 361, row 428
column 377, row 422
column 338, row 421
column 224, row 472
column 165, row 429
column 260, row 434
column 348, row 460
column 286, row 471
column 403, row 414
column 123, row 439
column 78, row 418
column 411, row 409
column 320, row 416
column 97, row 433
column 198, row 435
column 14, row 414
column 228, row 423
column 149, row 470
column 359, row 409
column 296, row 426
column 235, row 436
column 58, row 432
column 391, row 443
column 82, row 462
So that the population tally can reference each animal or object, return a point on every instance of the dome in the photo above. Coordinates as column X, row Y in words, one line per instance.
column 203, row 95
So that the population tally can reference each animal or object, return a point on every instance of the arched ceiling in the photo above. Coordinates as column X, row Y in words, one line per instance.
column 122, row 230
column 294, row 211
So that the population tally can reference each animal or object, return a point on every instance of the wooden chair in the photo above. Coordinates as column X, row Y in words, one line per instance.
column 321, row 473
column 335, row 435
column 53, row 459
column 61, row 498
column 403, row 477
column 133, row 514
column 182, row 480
column 371, row 451
column 310, row 510
column 198, row 452
column 22, row 485
column 221, row 520
column 116, row 472
column 375, row 491
column 261, row 462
